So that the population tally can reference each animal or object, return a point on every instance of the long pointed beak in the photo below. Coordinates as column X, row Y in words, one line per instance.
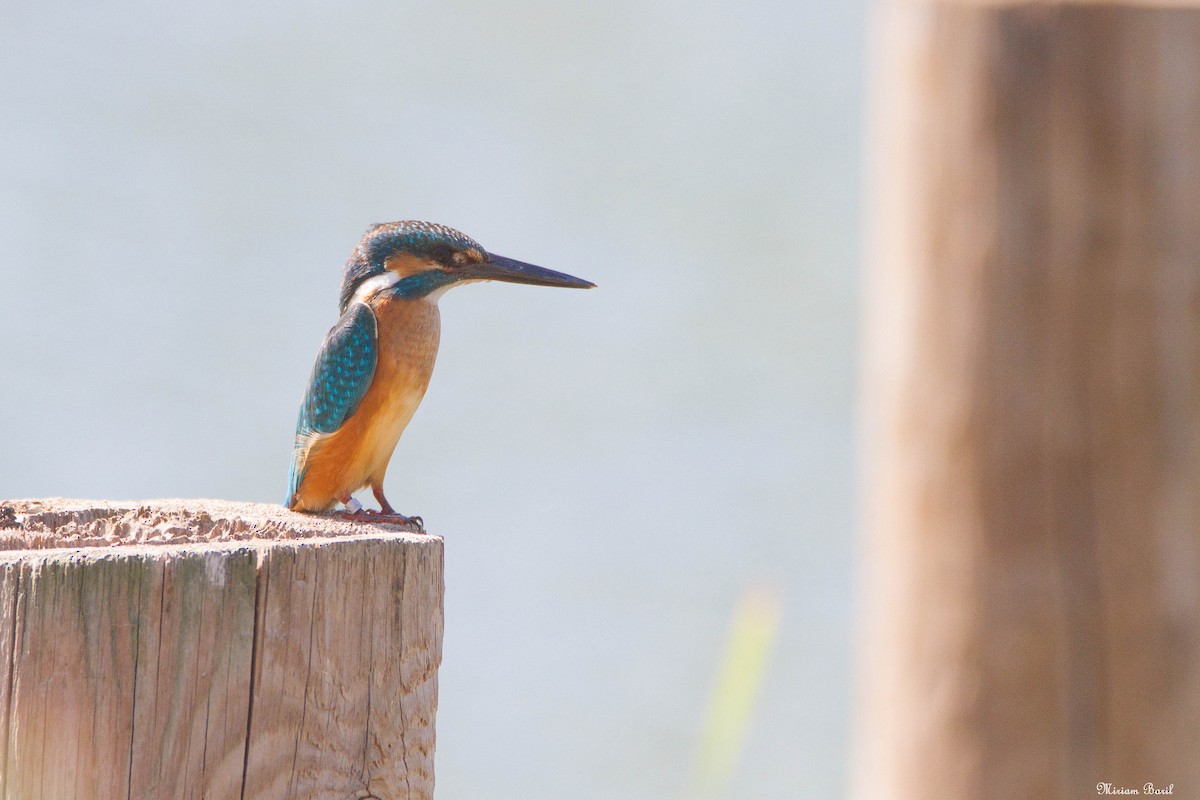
column 499, row 268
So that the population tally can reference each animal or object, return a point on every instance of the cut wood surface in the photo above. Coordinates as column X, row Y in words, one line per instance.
column 1033, row 398
column 205, row 649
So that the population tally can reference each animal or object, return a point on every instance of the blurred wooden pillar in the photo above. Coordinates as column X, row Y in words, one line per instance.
column 1032, row 393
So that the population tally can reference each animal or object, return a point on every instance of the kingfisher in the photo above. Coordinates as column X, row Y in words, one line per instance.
column 375, row 363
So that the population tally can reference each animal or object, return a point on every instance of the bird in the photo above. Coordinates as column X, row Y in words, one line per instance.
column 375, row 363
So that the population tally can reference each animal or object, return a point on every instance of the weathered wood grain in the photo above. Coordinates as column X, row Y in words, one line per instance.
column 1033, row 403
column 196, row 649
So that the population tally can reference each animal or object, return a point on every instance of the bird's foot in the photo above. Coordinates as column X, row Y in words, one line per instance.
column 356, row 513
column 395, row 518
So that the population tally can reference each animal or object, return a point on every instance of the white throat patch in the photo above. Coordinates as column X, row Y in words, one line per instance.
column 436, row 294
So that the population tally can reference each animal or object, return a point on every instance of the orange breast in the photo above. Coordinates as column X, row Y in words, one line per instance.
column 357, row 454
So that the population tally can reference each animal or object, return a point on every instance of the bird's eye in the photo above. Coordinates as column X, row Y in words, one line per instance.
column 443, row 255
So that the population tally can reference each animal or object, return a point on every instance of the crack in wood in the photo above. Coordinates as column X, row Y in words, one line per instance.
column 260, row 580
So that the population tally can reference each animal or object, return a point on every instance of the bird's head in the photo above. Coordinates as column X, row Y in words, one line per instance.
column 415, row 260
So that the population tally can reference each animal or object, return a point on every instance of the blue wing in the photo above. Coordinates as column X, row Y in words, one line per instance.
column 340, row 379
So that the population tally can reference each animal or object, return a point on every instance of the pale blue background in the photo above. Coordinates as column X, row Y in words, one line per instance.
column 181, row 183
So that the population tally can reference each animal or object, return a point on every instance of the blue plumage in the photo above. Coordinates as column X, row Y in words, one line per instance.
column 340, row 379
column 421, row 284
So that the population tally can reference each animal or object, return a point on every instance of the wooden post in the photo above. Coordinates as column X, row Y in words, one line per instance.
column 201, row 649
column 1032, row 437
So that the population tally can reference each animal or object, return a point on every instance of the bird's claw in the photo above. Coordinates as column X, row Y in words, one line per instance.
column 399, row 519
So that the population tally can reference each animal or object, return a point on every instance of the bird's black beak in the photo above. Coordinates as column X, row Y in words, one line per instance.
column 499, row 268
